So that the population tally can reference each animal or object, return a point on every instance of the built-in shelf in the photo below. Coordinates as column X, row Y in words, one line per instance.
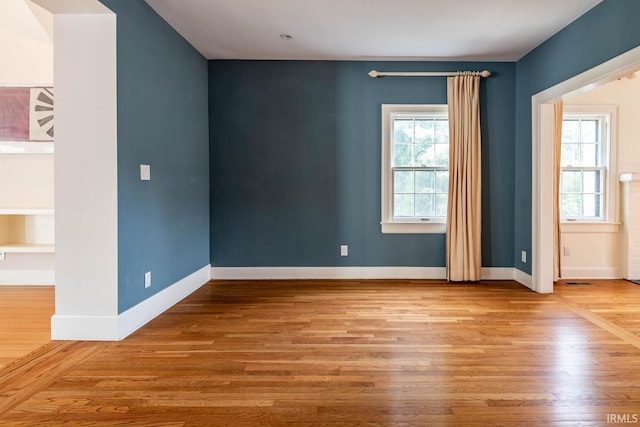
column 21, row 211
column 28, row 248
column 27, row 230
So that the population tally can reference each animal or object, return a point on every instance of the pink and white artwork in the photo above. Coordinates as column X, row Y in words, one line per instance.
column 26, row 114
column 41, row 114
column 14, row 113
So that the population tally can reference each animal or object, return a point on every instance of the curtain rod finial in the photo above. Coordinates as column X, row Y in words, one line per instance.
column 373, row 73
column 485, row 73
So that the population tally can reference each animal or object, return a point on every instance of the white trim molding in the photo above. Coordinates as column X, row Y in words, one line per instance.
column 523, row 278
column 311, row 273
column 354, row 273
column 498, row 273
column 138, row 315
column 84, row 328
column 589, row 227
column 607, row 115
column 542, row 157
column 387, row 223
column 115, row 328
column 591, row 273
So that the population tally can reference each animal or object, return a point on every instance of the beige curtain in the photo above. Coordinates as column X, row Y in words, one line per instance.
column 464, row 258
column 557, row 147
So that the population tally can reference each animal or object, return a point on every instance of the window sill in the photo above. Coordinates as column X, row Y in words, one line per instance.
column 414, row 227
column 589, row 227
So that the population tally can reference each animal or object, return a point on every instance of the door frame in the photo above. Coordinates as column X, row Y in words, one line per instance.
column 542, row 157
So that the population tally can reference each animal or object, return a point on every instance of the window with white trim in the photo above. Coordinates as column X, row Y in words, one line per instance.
column 587, row 185
column 415, row 168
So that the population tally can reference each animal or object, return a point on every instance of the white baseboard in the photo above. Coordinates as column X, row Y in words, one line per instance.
column 27, row 277
column 84, row 328
column 138, row 315
column 306, row 273
column 118, row 327
column 523, row 278
column 497, row 273
column 591, row 273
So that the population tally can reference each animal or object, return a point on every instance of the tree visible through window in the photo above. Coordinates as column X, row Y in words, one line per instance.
column 415, row 168
column 584, row 167
column 420, row 167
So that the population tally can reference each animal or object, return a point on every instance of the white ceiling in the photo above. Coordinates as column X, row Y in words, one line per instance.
column 474, row 30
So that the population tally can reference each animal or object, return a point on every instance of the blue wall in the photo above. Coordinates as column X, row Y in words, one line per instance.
column 291, row 151
column 295, row 163
column 163, row 224
column 606, row 31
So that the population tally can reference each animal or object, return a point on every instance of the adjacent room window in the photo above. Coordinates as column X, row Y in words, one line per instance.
column 415, row 168
column 587, row 184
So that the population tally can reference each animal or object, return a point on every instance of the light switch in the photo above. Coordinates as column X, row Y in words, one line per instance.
column 147, row 279
column 145, row 172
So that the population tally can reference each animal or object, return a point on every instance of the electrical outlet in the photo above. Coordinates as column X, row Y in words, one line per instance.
column 147, row 279
column 145, row 173
column 524, row 256
column 567, row 251
column 344, row 250
column 2, row 258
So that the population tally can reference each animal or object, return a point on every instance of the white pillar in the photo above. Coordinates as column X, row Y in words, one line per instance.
column 630, row 250
column 86, row 191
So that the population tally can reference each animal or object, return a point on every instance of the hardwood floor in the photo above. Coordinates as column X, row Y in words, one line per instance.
column 25, row 318
column 349, row 353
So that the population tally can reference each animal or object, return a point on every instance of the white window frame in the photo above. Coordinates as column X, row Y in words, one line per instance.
column 388, row 223
column 610, row 161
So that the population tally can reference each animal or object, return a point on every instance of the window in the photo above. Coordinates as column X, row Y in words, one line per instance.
column 587, row 192
column 415, row 168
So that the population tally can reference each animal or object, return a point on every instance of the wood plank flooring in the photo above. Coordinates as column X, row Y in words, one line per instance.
column 349, row 353
column 25, row 319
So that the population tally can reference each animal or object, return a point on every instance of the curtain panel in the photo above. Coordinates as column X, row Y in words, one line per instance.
column 557, row 148
column 464, row 253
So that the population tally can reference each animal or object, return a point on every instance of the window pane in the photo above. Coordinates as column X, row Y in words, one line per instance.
column 424, row 182
column 571, row 181
column 442, row 131
column 570, row 205
column 402, row 130
column 582, row 184
column 402, row 154
column 570, row 155
column 589, row 155
column 419, row 148
column 424, row 130
column 442, row 155
column 424, row 205
column 424, row 154
column 570, row 131
column 441, row 205
column 589, row 130
column 403, row 205
column 442, row 182
column 403, row 182
column 591, row 181
column 589, row 205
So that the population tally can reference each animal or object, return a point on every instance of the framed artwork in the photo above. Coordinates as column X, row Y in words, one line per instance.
column 26, row 119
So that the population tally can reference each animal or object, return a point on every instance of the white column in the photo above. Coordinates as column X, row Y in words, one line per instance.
column 630, row 226
column 86, row 178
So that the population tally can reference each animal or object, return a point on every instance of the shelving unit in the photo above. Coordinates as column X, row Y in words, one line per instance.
column 27, row 231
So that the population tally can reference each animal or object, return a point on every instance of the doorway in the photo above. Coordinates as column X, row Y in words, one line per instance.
column 543, row 156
